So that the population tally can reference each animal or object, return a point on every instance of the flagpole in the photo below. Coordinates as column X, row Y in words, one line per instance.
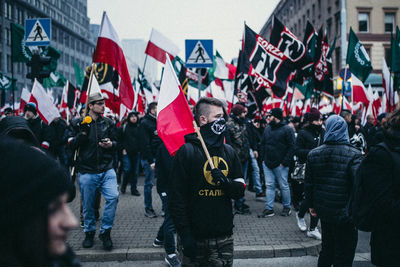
column 199, row 81
column 196, row 128
column 89, row 88
column 344, row 83
column 144, row 65
column 12, row 73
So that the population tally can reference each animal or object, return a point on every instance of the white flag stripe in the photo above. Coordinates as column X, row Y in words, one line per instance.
column 163, row 42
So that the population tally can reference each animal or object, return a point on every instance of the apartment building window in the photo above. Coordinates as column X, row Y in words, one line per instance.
column 8, row 37
column 338, row 59
column 337, row 23
column 1, row 61
column 389, row 22
column 388, row 54
column 363, row 22
column 8, row 10
column 313, row 11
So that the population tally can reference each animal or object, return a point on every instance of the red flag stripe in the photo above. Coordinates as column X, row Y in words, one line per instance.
column 157, row 52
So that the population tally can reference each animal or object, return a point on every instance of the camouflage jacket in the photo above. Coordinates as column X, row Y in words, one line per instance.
column 239, row 138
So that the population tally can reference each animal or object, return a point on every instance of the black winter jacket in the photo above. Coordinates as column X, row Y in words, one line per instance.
column 129, row 138
column 149, row 140
column 92, row 157
column 277, row 145
column 197, row 206
column 330, row 172
column 380, row 176
column 307, row 139
column 58, row 136
column 40, row 130
column 163, row 168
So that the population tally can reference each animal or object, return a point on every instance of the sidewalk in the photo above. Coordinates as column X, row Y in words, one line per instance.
column 133, row 233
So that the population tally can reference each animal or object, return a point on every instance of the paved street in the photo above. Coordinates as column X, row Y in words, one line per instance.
column 133, row 233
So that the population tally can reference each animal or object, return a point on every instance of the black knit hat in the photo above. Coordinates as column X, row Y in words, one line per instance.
column 30, row 181
column 277, row 113
column 30, row 107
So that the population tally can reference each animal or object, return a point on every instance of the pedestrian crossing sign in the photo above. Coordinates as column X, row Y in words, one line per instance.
column 199, row 53
column 37, row 32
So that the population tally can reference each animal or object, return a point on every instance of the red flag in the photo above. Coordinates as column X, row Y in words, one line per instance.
column 108, row 50
column 174, row 118
column 25, row 95
column 159, row 45
column 360, row 93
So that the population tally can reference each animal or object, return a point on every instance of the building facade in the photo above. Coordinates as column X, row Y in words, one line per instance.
column 372, row 21
column 70, row 34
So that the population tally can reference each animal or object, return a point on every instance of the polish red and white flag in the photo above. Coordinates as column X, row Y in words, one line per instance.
column 109, row 50
column 174, row 117
column 44, row 104
column 25, row 95
column 360, row 93
column 159, row 45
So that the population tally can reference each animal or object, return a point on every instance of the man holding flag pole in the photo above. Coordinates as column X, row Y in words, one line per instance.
column 206, row 174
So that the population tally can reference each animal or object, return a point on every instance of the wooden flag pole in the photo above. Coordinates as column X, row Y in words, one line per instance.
column 89, row 88
column 196, row 128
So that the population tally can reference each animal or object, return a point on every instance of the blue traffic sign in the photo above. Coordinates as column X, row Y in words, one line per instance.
column 37, row 32
column 199, row 53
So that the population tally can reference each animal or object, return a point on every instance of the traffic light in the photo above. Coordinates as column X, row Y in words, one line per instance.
column 37, row 63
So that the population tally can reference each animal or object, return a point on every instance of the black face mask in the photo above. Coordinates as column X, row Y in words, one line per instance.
column 272, row 123
column 212, row 133
column 315, row 127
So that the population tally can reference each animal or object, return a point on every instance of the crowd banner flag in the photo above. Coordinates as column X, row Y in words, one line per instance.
column 174, row 117
column 222, row 69
column 44, row 105
column 25, row 95
column 290, row 45
column 357, row 58
column 159, row 45
column 387, row 85
column 109, row 51
column 20, row 52
column 360, row 93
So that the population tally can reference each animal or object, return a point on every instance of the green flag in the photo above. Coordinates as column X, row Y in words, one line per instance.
column 55, row 80
column 6, row 82
column 54, row 55
column 19, row 52
column 79, row 75
column 357, row 58
column 395, row 51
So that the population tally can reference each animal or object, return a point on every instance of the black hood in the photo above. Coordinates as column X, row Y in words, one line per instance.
column 17, row 127
column 392, row 138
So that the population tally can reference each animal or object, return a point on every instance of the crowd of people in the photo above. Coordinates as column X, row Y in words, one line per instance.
column 309, row 164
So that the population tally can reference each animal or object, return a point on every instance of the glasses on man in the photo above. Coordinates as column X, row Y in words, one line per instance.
column 100, row 103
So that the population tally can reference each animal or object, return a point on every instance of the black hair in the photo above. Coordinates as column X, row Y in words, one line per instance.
column 393, row 121
column 151, row 106
column 201, row 108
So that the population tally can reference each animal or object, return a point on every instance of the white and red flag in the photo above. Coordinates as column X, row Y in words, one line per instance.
column 109, row 50
column 174, row 117
column 159, row 45
column 25, row 95
column 360, row 93
column 44, row 104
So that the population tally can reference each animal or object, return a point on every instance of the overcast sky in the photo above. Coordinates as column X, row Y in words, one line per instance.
column 220, row 20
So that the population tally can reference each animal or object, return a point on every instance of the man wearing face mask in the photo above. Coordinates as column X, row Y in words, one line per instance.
column 200, row 198
column 277, row 150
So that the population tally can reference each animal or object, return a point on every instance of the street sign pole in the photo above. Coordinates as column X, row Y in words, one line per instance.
column 199, row 81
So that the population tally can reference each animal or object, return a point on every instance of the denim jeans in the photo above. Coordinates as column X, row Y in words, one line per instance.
column 106, row 182
column 239, row 202
column 256, row 173
column 167, row 229
column 279, row 174
column 130, row 168
column 148, row 183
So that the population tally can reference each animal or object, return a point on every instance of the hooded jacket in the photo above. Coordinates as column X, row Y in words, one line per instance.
column 239, row 139
column 308, row 138
column 330, row 172
column 197, row 206
column 149, row 140
column 129, row 136
column 17, row 127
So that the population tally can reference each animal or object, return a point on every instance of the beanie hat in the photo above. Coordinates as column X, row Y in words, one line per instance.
column 277, row 113
column 238, row 109
column 314, row 115
column 381, row 116
column 30, row 107
column 30, row 181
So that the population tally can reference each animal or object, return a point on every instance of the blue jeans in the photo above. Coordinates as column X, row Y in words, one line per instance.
column 148, row 183
column 106, row 182
column 167, row 229
column 256, row 173
column 239, row 202
column 130, row 168
column 279, row 174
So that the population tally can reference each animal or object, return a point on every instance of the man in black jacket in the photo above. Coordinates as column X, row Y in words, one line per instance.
column 96, row 141
column 39, row 128
column 129, row 140
column 200, row 198
column 380, row 180
column 277, row 150
column 149, row 141
column 330, row 173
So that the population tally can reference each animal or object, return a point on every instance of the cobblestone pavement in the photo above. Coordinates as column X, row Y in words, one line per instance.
column 133, row 233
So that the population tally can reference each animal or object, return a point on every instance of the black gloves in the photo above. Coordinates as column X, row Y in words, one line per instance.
column 84, row 127
column 220, row 179
column 188, row 244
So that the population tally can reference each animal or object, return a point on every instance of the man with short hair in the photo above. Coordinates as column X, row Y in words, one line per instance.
column 96, row 141
column 200, row 198
column 39, row 128
column 277, row 149
column 149, row 142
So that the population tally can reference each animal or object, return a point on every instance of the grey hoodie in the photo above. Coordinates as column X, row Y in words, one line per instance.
column 336, row 130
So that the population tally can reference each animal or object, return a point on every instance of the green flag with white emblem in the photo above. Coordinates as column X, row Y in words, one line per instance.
column 357, row 58
column 20, row 52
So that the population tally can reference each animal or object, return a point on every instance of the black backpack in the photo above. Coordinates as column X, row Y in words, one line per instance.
column 360, row 209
